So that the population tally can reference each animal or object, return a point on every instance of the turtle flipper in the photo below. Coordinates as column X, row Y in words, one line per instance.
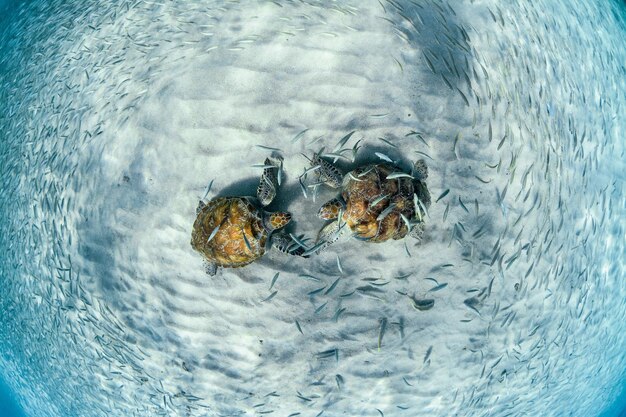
column 327, row 172
column 201, row 205
column 276, row 220
column 330, row 234
column 420, row 170
column 417, row 232
column 210, row 268
column 266, row 191
column 331, row 210
column 283, row 242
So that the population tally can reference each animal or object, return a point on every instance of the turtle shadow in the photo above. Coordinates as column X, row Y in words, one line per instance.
column 245, row 187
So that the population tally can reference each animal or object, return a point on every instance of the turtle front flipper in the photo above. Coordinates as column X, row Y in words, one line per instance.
column 330, row 234
column 210, row 268
column 327, row 172
column 331, row 210
column 266, row 191
column 420, row 170
column 285, row 244
column 276, row 220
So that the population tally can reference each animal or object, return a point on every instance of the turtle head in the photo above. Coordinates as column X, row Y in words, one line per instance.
column 276, row 220
column 420, row 170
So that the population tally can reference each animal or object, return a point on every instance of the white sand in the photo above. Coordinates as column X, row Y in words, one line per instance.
column 116, row 118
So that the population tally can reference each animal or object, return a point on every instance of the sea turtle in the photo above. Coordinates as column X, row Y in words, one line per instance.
column 232, row 232
column 378, row 202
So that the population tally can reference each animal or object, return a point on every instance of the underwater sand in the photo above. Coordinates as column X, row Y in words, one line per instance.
column 117, row 115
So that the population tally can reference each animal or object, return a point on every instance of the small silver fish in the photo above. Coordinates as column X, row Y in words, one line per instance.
column 383, row 156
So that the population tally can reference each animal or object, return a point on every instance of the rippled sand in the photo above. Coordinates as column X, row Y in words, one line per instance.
column 115, row 118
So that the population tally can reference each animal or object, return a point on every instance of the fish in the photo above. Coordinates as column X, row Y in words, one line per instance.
column 274, row 280
column 427, row 355
column 328, row 354
column 424, row 154
column 299, row 328
column 299, row 136
column 264, row 166
column 269, row 148
column 332, row 286
column 386, row 212
column 309, row 277
column 314, row 248
column 381, row 332
column 416, row 206
column 339, row 380
column 406, row 221
column 339, row 264
column 387, row 142
column 430, row 64
column 378, row 200
column 419, row 135
column 439, row 287
column 316, row 291
column 445, row 193
column 343, row 141
column 338, row 313
column 463, row 205
column 454, row 146
column 422, row 304
column 245, row 240
column 406, row 249
column 317, row 310
column 214, row 232
column 272, row 295
column 298, row 241
column 208, row 189
column 279, row 176
column 395, row 175
column 464, row 97
column 383, row 156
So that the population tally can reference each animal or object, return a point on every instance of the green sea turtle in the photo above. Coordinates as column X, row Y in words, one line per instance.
column 378, row 202
column 232, row 232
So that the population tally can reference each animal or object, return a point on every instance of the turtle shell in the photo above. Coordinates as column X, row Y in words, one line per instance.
column 234, row 218
column 374, row 204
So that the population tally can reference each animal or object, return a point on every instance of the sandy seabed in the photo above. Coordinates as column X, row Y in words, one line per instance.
column 117, row 115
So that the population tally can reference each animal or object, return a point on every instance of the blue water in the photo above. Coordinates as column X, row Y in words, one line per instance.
column 70, row 352
column 9, row 406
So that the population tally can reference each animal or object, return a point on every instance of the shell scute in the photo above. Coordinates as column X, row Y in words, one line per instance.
column 374, row 204
column 235, row 217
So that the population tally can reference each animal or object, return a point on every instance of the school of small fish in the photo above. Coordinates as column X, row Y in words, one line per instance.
column 117, row 117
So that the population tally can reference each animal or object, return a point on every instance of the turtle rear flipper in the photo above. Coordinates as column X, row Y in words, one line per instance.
column 210, row 268
column 417, row 232
column 283, row 242
column 266, row 191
